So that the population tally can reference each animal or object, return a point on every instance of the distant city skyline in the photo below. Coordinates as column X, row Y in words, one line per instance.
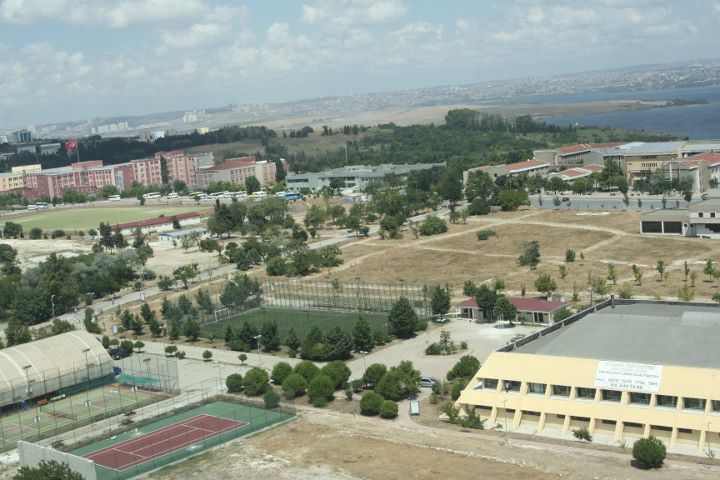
column 66, row 60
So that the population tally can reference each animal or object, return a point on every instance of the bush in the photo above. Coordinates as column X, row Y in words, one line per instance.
column 434, row 349
column 57, row 233
column 271, row 399
column 582, row 434
column 170, row 350
column 388, row 409
column 280, row 372
column 294, row 385
column 381, row 338
column 569, row 256
column 180, row 354
column 370, row 404
column 457, row 387
column 256, row 382
column 432, row 225
column 485, row 234
column 649, row 452
column 320, row 390
column 471, row 420
column 36, row 233
column 234, row 383
column 338, row 372
column 374, row 373
column 465, row 368
column 207, row 355
column 307, row 369
column 479, row 206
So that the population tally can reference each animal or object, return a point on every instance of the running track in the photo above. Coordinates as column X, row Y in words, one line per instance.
column 163, row 441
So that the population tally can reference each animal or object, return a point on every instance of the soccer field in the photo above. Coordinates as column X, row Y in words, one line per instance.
column 301, row 320
column 85, row 218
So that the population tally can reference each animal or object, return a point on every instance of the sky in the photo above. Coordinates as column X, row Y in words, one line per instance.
column 78, row 59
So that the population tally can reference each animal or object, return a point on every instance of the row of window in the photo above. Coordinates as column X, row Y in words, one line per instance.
column 701, row 214
column 689, row 403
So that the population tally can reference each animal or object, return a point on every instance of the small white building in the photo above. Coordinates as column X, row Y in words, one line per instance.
column 177, row 236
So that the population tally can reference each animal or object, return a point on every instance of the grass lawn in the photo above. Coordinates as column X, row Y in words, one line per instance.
column 84, row 218
column 301, row 320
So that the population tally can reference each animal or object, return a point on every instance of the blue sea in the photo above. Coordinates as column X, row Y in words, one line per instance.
column 692, row 121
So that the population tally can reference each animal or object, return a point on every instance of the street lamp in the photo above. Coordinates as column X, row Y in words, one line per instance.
column 504, row 402
column 257, row 338
column 52, row 302
column 364, row 354
column 92, row 295
column 87, row 373
column 27, row 379
column 147, row 363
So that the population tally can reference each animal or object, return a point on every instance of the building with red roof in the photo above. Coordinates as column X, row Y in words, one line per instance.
column 158, row 224
column 528, row 167
column 530, row 309
column 236, row 170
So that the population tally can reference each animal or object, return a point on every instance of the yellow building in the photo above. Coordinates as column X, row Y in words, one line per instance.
column 623, row 372
column 10, row 181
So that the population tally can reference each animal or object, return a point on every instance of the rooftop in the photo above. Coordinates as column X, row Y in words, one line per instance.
column 366, row 171
column 639, row 148
column 232, row 163
column 523, row 304
column 522, row 166
column 151, row 222
column 184, row 233
column 653, row 333
column 712, row 158
column 678, row 215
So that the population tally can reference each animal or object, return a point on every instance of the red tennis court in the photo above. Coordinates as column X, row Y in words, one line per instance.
column 161, row 442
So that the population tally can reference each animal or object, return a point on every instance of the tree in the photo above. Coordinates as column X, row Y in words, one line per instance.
column 207, row 355
column 440, row 299
column 136, row 325
column 370, row 404
column 509, row 200
column 486, row 298
column 649, row 452
column 374, row 374
column 147, row 313
column 313, row 346
column 338, row 344
column 320, row 390
column 234, row 383
column 600, row 287
column 637, row 273
column 202, row 298
column 139, row 345
column 505, row 309
column 252, row 185
column 280, row 372
column 660, row 267
column 361, row 336
column 709, row 268
column 399, row 382
column 388, row 409
column 271, row 399
column 191, row 329
column 294, row 385
column 612, row 273
column 465, row 368
column 292, row 340
column 545, row 284
column 164, row 173
column 402, row 318
column 47, row 470
column 338, row 372
column 569, row 256
column 479, row 206
column 186, row 273
column 530, row 256
column 256, row 381
column 12, row 230
column 270, row 336
column 307, row 369
column 432, row 225
column 36, row 233
column 479, row 186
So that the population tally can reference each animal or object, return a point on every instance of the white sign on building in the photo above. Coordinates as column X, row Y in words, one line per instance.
column 634, row 377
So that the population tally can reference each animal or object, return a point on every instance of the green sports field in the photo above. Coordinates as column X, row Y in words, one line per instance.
column 85, row 218
column 301, row 320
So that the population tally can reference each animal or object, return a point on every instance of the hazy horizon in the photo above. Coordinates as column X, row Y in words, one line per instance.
column 64, row 60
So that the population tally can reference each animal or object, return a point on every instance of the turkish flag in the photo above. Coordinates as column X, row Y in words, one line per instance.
column 71, row 144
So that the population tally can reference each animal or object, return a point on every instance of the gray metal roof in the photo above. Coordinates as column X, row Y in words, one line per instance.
column 636, row 148
column 665, row 215
column 662, row 334
column 713, row 204
column 365, row 171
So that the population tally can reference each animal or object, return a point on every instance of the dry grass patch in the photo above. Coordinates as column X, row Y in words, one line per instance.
column 648, row 250
column 626, row 221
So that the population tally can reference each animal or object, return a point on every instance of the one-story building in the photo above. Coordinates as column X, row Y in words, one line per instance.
column 700, row 220
column 529, row 309
column 159, row 224
column 177, row 236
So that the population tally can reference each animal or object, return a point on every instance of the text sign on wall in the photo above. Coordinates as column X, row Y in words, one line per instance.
column 635, row 377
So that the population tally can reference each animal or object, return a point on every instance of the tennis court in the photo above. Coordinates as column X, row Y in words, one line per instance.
column 67, row 412
column 176, row 437
column 300, row 320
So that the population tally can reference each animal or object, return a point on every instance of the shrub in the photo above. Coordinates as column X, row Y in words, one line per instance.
column 582, row 434
column 562, row 314
column 471, row 420
column 271, row 399
column 105, row 342
column 180, row 354
column 294, row 385
column 465, row 368
column 307, row 369
column 374, row 373
column 207, row 355
column 649, row 452
column 457, row 387
column 381, row 338
column 234, row 383
column 280, row 372
column 370, row 404
column 256, row 381
column 433, row 349
column 320, row 390
column 388, row 409
column 432, row 225
column 485, row 234
column 36, row 233
column 170, row 350
column 569, row 256
column 338, row 372
column 57, row 234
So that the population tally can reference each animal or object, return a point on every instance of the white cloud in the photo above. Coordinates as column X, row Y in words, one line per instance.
column 345, row 13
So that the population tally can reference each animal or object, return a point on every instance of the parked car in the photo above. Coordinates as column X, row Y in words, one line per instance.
column 119, row 353
column 427, row 382
column 440, row 319
column 565, row 199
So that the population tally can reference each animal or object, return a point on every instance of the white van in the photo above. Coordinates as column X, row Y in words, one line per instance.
column 152, row 195
column 32, row 206
column 114, row 198
column 41, row 205
column 172, row 195
column 259, row 194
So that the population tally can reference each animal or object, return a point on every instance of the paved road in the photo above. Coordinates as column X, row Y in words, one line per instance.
column 609, row 202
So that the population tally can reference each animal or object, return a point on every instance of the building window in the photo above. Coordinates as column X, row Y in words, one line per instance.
column 633, row 424
column 538, row 388
column 484, row 407
column 560, row 415
column 666, row 401
column 580, row 419
column 641, row 398
column 488, row 383
column 712, row 214
column 586, row 393
column 716, row 405
column 685, row 430
column 511, row 386
column 529, row 412
column 609, row 422
column 661, row 428
column 561, row 390
column 690, row 403
column 700, row 214
column 611, row 395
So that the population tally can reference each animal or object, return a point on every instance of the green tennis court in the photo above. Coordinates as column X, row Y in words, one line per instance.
column 72, row 411
column 301, row 320
column 176, row 437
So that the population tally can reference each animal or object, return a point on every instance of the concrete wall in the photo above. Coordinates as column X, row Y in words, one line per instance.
column 31, row 454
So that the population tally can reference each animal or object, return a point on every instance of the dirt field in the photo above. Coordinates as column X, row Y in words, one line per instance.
column 330, row 445
column 598, row 239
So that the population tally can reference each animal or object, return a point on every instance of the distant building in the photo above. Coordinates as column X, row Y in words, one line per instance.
column 181, row 166
column 529, row 309
column 11, row 181
column 49, row 148
column 236, row 170
column 178, row 235
column 22, row 136
column 355, row 176
column 528, row 167
column 700, row 220
column 572, row 174
column 35, row 167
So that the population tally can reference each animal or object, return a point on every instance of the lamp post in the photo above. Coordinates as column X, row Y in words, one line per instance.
column 504, row 402
column 257, row 338
column 87, row 374
column 707, row 437
column 28, row 391
column 52, row 303
column 147, row 364
column 92, row 295
column 364, row 354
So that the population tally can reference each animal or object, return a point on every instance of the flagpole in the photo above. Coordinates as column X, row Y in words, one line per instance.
column 77, row 150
